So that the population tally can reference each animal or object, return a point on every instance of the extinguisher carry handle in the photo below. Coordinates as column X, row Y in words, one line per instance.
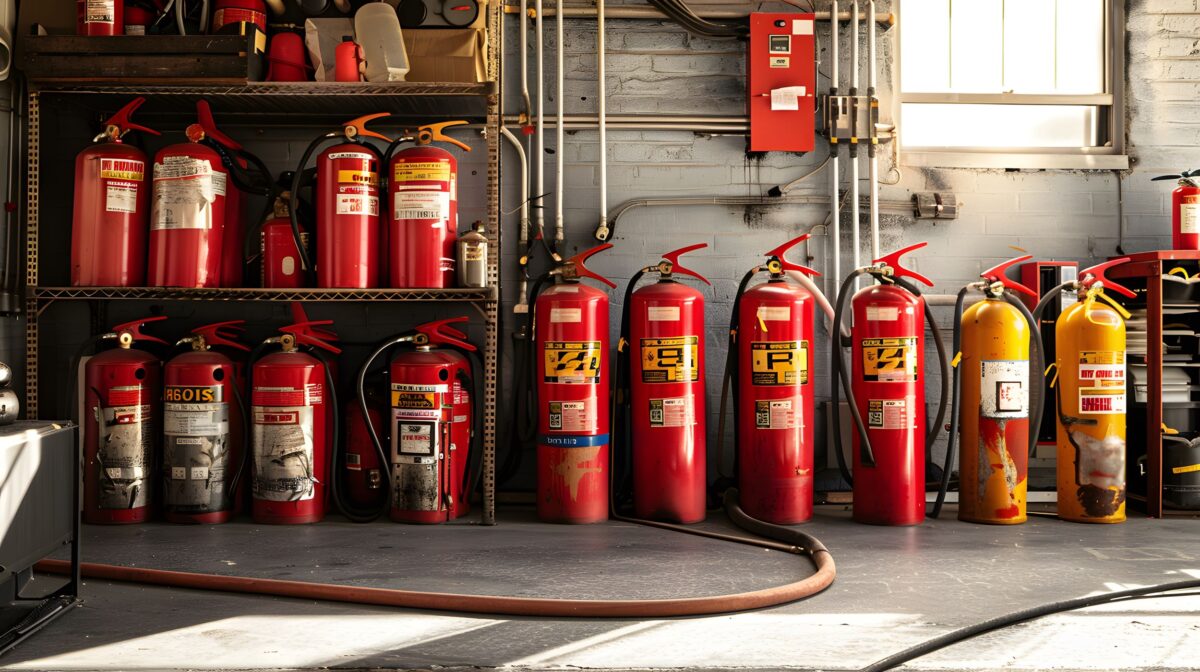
column 301, row 317
column 998, row 273
column 360, row 126
column 779, row 252
column 307, row 334
column 677, row 267
column 223, row 333
column 1097, row 273
column 209, row 124
column 433, row 133
column 122, row 118
column 134, row 329
column 1195, row 172
column 893, row 261
column 441, row 333
column 583, row 271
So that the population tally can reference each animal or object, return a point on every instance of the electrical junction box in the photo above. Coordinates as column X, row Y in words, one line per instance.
column 781, row 80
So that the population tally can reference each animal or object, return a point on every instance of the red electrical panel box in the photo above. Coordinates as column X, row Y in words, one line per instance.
column 781, row 82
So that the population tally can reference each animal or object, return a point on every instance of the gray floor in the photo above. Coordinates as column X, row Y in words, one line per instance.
column 895, row 587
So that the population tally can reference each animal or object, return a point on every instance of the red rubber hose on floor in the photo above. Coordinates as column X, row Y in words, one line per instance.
column 793, row 540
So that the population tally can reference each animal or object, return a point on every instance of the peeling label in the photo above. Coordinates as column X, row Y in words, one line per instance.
column 1004, row 389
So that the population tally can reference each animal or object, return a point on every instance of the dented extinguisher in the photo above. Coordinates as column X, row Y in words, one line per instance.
column 423, row 217
column 660, row 370
column 1185, row 210
column 1090, row 384
column 121, row 391
column 888, row 389
column 996, row 388
column 112, row 212
column 347, row 204
column 293, row 401
column 433, row 422
column 204, row 425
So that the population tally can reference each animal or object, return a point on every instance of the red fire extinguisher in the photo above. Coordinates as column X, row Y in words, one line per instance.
column 347, row 202
column 122, row 388
column 888, row 389
column 771, row 350
column 365, row 485
column 111, row 214
column 423, row 218
column 294, row 403
column 571, row 372
column 280, row 260
column 1185, row 210
column 431, row 425
column 100, row 17
column 204, row 422
column 660, row 369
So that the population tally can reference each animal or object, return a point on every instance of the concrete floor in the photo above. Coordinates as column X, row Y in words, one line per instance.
column 895, row 587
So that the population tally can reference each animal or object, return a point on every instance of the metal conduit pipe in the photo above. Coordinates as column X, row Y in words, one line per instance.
column 835, row 174
column 524, row 226
column 873, row 171
column 855, row 222
column 524, row 47
column 652, row 14
column 602, row 121
column 539, row 158
column 558, row 126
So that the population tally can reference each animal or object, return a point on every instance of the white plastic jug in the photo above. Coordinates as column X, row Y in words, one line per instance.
column 377, row 31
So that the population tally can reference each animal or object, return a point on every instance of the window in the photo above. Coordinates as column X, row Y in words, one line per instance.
column 1012, row 83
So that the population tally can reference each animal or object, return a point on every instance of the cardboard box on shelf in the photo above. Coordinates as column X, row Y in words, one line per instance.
column 446, row 55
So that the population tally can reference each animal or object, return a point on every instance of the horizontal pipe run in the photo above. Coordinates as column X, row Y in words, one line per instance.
column 650, row 13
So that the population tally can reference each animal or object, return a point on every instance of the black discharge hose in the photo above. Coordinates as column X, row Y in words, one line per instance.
column 1038, row 311
column 474, row 471
column 841, row 374
column 619, row 399
column 247, row 439
column 347, row 508
column 731, row 373
column 957, row 396
column 294, row 200
column 335, row 427
column 523, row 430
column 963, row 634
column 1037, row 363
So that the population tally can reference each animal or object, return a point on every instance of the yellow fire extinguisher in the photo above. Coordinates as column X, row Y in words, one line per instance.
column 992, row 398
column 1090, row 399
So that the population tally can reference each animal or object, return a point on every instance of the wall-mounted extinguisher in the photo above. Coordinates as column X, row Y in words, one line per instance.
column 112, row 212
column 432, row 423
column 660, row 370
column 888, row 389
column 770, row 362
column 570, row 366
column 121, row 392
column 1185, row 210
column 347, row 204
column 100, row 17
column 294, row 409
column 204, row 423
column 1090, row 369
column 996, row 384
column 423, row 217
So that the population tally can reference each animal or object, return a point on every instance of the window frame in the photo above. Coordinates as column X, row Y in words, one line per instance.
column 1111, row 106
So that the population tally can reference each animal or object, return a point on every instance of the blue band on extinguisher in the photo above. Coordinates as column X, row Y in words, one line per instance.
column 570, row 441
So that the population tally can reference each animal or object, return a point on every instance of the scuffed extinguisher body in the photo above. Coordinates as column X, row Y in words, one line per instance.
column 994, row 414
column 888, row 374
column 111, row 216
column 424, row 457
column 121, row 433
column 572, row 373
column 1185, row 218
column 775, row 402
column 187, row 217
column 348, row 228
column 202, row 438
column 1091, row 368
column 668, row 402
column 423, row 218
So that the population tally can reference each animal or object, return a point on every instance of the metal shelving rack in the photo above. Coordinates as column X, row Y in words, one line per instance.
column 322, row 101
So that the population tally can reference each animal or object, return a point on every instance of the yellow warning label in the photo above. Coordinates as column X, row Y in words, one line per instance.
column 779, row 362
column 1185, row 470
column 122, row 169
column 437, row 171
column 670, row 360
column 890, row 360
column 572, row 361
column 362, row 177
column 422, row 400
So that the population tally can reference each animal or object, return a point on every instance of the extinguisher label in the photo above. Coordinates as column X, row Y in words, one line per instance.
column 193, row 394
column 890, row 360
column 889, row 414
column 775, row 313
column 122, row 169
column 1101, row 400
column 184, row 194
column 779, row 362
column 99, row 11
column 418, row 397
column 424, row 171
column 675, row 412
column 284, row 470
column 354, row 156
column 883, row 313
column 1004, row 389
column 223, row 17
column 572, row 362
column 475, row 252
column 414, row 442
column 121, row 197
column 421, row 205
column 777, row 414
column 1102, row 368
column 1189, row 215
column 354, row 461
column 196, row 447
column 573, row 416
column 357, row 201
column 566, row 315
column 362, row 178
column 670, row 360
column 125, row 456
column 662, row 313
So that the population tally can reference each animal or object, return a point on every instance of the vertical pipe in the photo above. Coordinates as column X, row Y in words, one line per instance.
column 558, row 125
column 835, row 176
column 523, row 246
column 601, row 113
column 524, row 47
column 872, row 148
column 854, row 112
column 538, row 160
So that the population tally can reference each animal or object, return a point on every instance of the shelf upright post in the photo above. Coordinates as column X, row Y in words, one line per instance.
column 491, row 360
column 33, row 172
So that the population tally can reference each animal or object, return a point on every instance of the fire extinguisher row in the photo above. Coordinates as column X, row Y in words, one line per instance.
column 182, row 437
column 191, row 218
column 637, row 433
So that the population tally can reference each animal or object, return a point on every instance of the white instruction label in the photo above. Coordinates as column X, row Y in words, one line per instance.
column 121, row 197
column 184, row 194
column 889, row 414
column 883, row 313
column 674, row 412
column 775, row 313
column 566, row 315
column 421, row 205
column 1102, row 401
column 573, row 416
column 662, row 313
column 357, row 204
column 777, row 414
column 1004, row 389
column 787, row 98
column 1189, row 217
column 100, row 11
column 802, row 26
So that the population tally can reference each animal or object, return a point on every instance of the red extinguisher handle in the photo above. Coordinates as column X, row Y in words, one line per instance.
column 779, row 252
column 893, row 261
column 441, row 333
column 299, row 316
column 134, row 329
column 583, row 271
column 209, row 124
column 122, row 119
column 998, row 274
column 306, row 334
column 1097, row 275
column 223, row 333
column 677, row 267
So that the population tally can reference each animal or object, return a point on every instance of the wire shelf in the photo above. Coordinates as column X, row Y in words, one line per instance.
column 46, row 294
